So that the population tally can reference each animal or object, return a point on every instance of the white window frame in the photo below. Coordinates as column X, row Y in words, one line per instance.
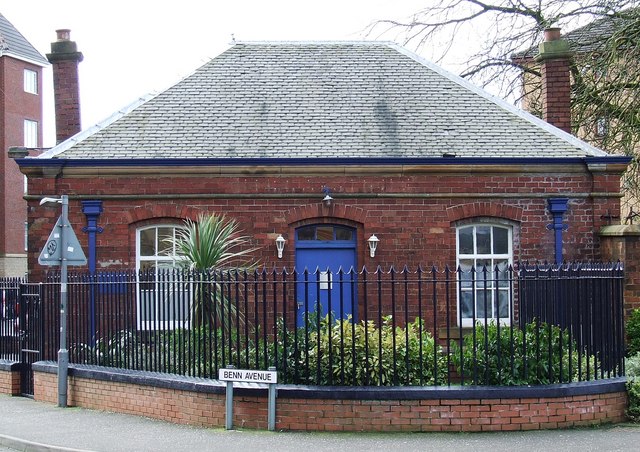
column 30, row 133
column 163, row 291
column 471, row 285
column 30, row 81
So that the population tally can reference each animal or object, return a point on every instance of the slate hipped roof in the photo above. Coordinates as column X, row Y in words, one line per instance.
column 13, row 44
column 321, row 100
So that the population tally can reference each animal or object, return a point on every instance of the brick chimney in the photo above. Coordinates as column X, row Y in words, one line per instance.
column 555, row 56
column 65, row 57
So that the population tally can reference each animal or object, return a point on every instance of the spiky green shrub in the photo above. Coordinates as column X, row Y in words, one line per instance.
column 495, row 354
column 213, row 242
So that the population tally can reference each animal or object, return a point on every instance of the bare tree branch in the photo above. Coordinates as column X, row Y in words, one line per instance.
column 501, row 38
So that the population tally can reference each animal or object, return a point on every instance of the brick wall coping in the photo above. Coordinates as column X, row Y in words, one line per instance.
column 202, row 385
column 9, row 366
column 620, row 230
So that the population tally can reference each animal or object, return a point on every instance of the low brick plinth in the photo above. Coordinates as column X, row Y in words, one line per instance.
column 201, row 402
column 9, row 377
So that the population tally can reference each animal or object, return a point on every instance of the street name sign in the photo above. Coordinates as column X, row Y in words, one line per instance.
column 248, row 376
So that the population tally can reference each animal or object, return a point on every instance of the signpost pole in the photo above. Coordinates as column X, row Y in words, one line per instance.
column 62, row 248
column 271, row 408
column 269, row 377
column 229, row 403
column 63, row 353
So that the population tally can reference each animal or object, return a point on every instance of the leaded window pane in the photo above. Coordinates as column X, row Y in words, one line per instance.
column 503, row 303
column 148, row 242
column 466, row 304
column 344, row 234
column 500, row 240
column 483, row 303
column 465, row 239
column 165, row 247
column 324, row 233
column 483, row 238
column 307, row 233
column 465, row 275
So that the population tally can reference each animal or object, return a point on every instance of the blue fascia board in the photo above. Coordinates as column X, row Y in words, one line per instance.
column 338, row 161
column 609, row 159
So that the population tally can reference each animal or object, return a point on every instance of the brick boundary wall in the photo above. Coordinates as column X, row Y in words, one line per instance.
column 9, row 377
column 201, row 402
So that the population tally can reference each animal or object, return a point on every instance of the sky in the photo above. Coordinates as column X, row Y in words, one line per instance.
column 135, row 47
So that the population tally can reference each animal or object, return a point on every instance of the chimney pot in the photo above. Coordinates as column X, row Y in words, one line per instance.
column 64, row 34
column 552, row 34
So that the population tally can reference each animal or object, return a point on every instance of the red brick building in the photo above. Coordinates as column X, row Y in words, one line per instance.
column 20, row 125
column 326, row 145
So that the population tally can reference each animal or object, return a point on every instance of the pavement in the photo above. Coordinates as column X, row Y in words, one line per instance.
column 27, row 425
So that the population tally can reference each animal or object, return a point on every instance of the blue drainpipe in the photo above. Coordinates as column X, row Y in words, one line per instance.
column 557, row 207
column 92, row 210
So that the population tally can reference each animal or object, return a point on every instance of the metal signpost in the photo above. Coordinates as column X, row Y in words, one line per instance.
column 270, row 377
column 63, row 249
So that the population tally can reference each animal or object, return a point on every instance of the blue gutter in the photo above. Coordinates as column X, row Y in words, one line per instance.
column 333, row 161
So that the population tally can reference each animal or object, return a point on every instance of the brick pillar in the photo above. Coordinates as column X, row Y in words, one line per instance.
column 65, row 57
column 555, row 58
column 622, row 242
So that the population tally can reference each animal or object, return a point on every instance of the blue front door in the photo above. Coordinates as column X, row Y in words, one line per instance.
column 321, row 252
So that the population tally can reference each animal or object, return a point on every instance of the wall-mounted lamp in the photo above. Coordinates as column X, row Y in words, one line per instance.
column 280, row 245
column 373, row 245
column 327, row 200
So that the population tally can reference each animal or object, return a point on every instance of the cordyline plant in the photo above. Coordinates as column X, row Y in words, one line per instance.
column 213, row 242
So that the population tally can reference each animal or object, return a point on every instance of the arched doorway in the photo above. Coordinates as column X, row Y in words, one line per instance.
column 323, row 250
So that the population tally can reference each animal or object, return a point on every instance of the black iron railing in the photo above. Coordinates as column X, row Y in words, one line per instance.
column 535, row 324
column 10, row 343
column 21, row 327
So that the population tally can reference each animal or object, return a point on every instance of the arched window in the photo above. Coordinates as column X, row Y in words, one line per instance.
column 161, row 303
column 484, row 254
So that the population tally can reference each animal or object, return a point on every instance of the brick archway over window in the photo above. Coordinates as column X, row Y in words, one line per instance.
column 318, row 210
column 161, row 211
column 484, row 209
